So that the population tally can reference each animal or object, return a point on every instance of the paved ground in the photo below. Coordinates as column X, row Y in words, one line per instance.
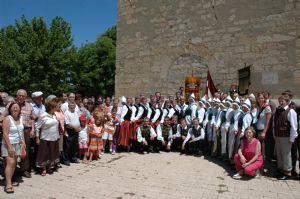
column 164, row 175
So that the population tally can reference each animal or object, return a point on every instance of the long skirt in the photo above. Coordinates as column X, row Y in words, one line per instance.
column 48, row 154
column 124, row 134
column 95, row 144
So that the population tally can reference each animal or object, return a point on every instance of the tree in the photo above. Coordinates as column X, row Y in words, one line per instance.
column 35, row 57
column 96, row 68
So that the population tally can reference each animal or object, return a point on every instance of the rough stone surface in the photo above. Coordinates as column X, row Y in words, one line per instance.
column 164, row 175
column 159, row 42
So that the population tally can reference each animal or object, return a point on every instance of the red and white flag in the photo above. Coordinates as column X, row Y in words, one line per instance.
column 210, row 87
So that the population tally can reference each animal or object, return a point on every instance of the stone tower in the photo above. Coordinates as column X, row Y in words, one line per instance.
column 254, row 44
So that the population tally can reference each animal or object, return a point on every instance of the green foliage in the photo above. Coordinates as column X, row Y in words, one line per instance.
column 35, row 57
column 96, row 69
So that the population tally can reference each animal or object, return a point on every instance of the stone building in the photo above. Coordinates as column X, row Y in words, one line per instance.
column 251, row 43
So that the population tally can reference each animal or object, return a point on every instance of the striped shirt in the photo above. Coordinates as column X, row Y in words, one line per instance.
column 109, row 126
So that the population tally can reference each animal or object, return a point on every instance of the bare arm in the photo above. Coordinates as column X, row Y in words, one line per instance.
column 257, row 153
column 5, row 127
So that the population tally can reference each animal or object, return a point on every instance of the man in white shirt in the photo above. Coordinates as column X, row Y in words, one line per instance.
column 285, row 127
column 195, row 139
column 65, row 106
column 71, row 138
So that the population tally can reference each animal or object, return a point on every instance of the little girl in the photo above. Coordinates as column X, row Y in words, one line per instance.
column 95, row 138
column 83, row 139
column 109, row 130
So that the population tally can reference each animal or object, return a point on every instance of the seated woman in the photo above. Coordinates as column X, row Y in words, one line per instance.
column 249, row 159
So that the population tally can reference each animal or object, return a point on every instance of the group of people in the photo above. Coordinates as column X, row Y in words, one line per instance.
column 246, row 131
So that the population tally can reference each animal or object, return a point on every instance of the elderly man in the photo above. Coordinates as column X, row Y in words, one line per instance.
column 28, row 122
column 4, row 97
column 37, row 105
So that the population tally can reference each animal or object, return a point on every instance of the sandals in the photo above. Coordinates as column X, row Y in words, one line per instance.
column 15, row 184
column 9, row 190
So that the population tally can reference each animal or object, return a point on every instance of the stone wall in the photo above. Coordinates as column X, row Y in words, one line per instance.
column 159, row 42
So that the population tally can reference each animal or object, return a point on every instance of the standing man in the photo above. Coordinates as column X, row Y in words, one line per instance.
column 65, row 106
column 71, row 140
column 27, row 115
column 285, row 131
column 38, row 109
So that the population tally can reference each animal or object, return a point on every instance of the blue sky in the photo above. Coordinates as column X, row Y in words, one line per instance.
column 88, row 18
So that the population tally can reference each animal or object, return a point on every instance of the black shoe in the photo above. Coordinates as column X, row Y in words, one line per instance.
column 283, row 177
column 26, row 174
column 67, row 163
column 76, row 161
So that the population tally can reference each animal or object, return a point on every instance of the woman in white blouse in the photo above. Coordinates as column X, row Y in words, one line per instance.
column 13, row 140
column 47, row 133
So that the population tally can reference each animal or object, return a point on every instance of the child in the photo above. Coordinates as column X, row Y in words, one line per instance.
column 95, row 138
column 109, row 130
column 83, row 139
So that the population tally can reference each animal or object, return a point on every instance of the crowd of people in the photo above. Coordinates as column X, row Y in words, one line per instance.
column 41, row 133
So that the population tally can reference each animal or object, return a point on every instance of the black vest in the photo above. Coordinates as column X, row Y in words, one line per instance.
column 145, row 112
column 128, row 114
column 174, row 129
column 137, row 110
column 196, row 132
column 152, row 113
column 160, row 114
column 184, row 132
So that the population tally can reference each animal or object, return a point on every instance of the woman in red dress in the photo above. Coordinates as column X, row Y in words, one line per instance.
column 249, row 159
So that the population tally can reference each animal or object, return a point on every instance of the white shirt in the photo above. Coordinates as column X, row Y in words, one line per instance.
column 191, row 136
column 16, row 131
column 83, row 136
column 229, row 113
column 262, row 120
column 72, row 119
column 246, row 122
column 236, row 120
column 157, row 113
column 139, row 134
column 47, row 127
column 65, row 106
column 201, row 114
column 134, row 111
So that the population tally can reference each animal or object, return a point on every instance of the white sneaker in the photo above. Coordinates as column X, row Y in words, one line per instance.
column 113, row 152
column 237, row 176
column 102, row 153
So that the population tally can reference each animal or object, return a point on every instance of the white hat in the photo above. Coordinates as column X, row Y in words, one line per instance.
column 209, row 101
column 222, row 103
column 50, row 97
column 192, row 95
column 216, row 100
column 252, row 96
column 203, row 100
column 247, row 104
column 123, row 99
column 37, row 94
column 229, row 99
column 236, row 101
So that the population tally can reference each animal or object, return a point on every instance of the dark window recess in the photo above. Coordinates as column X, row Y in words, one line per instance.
column 244, row 80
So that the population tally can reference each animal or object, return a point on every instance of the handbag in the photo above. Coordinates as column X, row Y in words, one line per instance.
column 23, row 148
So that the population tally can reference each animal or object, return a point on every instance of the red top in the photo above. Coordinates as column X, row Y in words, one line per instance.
column 249, row 150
